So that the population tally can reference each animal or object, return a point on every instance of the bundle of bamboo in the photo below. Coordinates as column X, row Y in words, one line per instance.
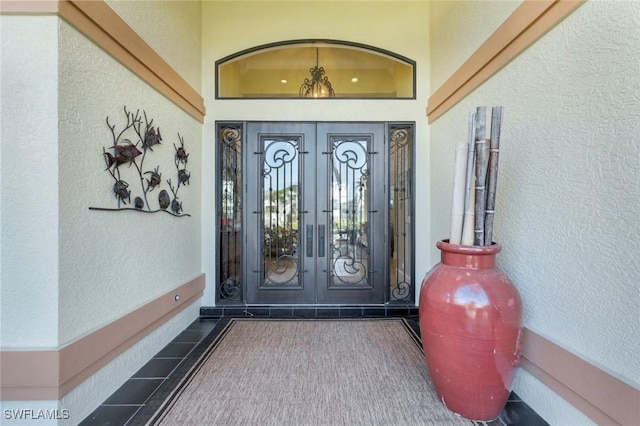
column 474, row 181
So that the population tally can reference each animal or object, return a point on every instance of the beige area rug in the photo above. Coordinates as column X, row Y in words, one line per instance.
column 308, row 372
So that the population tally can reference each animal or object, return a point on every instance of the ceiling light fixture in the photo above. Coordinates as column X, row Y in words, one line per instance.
column 318, row 86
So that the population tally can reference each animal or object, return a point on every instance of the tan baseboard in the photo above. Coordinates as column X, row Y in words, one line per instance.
column 29, row 6
column 49, row 375
column 600, row 396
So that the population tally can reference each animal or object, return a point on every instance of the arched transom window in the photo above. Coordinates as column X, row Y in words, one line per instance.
column 315, row 69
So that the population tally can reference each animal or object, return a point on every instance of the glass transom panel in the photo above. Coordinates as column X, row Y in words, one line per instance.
column 278, row 71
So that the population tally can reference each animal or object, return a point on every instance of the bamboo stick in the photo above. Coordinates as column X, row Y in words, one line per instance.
column 492, row 178
column 481, row 174
column 469, row 203
column 482, row 161
column 469, row 213
column 457, row 202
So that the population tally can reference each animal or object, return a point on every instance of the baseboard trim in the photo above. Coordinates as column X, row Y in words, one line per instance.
column 530, row 21
column 29, row 6
column 99, row 23
column 49, row 375
column 600, row 396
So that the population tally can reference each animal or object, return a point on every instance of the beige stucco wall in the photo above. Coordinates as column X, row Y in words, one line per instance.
column 452, row 44
column 567, row 210
column 67, row 271
column 177, row 40
column 112, row 263
column 29, row 217
column 229, row 27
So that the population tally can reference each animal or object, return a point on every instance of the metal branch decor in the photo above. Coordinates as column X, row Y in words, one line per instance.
column 132, row 178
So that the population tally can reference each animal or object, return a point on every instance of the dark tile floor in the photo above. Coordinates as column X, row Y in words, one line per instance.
column 134, row 402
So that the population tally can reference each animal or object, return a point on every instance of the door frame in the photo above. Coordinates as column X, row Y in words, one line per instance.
column 233, row 291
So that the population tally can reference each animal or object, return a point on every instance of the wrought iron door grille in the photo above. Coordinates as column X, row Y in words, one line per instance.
column 280, row 215
column 230, row 213
column 316, row 215
column 401, row 212
column 349, row 213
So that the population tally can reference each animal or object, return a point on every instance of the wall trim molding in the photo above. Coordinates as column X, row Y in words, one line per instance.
column 600, row 396
column 51, row 374
column 103, row 26
column 27, row 6
column 530, row 21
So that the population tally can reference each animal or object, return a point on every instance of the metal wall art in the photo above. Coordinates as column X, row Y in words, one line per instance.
column 132, row 178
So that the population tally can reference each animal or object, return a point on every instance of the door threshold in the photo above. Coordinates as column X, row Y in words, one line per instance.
column 311, row 311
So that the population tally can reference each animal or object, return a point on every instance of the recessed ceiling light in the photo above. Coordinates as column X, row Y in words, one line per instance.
column 283, row 81
column 354, row 80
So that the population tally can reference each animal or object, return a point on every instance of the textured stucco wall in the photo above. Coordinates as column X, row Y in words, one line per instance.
column 29, row 215
column 113, row 262
column 567, row 210
column 66, row 270
column 178, row 40
column 451, row 45
column 400, row 27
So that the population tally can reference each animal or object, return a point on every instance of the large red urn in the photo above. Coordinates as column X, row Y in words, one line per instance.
column 471, row 327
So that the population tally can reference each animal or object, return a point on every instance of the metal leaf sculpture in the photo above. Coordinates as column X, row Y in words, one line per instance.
column 124, row 153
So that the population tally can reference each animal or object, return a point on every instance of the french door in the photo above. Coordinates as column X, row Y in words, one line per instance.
column 316, row 213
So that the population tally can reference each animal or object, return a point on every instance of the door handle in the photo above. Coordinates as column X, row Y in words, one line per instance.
column 321, row 240
column 309, row 241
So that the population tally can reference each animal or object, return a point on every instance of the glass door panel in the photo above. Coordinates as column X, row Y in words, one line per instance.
column 349, row 196
column 280, row 168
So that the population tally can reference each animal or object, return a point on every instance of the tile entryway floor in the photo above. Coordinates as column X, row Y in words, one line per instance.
column 120, row 407
column 131, row 403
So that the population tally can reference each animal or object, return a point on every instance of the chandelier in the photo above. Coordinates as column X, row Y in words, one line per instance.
column 318, row 86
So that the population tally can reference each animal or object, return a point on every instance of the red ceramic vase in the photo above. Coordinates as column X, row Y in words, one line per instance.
column 471, row 324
